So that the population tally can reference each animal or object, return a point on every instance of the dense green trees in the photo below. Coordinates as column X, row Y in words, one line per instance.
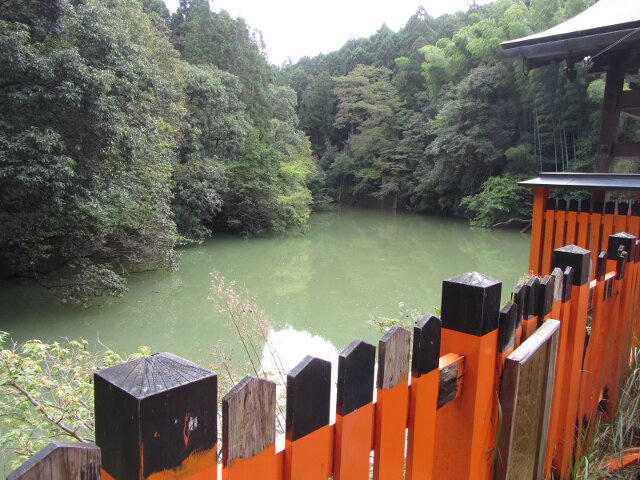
column 446, row 115
column 113, row 147
column 125, row 130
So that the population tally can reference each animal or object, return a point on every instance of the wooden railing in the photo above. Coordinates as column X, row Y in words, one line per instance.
column 485, row 391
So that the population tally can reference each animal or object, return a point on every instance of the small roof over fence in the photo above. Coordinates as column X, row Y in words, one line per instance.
column 606, row 27
column 628, row 182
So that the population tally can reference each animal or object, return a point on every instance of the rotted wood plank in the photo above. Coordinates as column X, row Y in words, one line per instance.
column 393, row 361
column 525, row 398
column 248, row 419
column 61, row 460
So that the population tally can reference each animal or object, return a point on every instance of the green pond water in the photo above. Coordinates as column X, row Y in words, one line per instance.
column 319, row 289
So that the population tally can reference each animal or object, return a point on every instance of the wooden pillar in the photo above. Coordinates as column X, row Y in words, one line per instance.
column 392, row 404
column 610, row 120
column 156, row 417
column 355, row 413
column 309, row 439
column 464, row 427
column 423, row 398
column 249, row 432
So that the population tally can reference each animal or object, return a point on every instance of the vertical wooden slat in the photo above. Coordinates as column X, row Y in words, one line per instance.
column 525, row 398
column 537, row 229
column 156, row 417
column 506, row 336
column 531, row 305
column 549, row 237
column 557, row 293
column 61, row 460
column 561, row 226
column 464, row 434
column 547, row 290
column 519, row 297
column 308, row 437
column 607, row 224
column 572, row 222
column 595, row 231
column 583, row 225
column 579, row 259
column 392, row 404
column 248, row 431
column 355, row 413
column 423, row 398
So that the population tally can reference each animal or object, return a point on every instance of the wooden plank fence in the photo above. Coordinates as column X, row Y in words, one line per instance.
column 546, row 362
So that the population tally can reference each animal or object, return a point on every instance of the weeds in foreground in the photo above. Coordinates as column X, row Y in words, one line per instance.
column 46, row 393
column 251, row 326
column 611, row 441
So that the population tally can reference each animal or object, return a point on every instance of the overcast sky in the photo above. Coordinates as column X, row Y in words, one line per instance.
column 296, row 28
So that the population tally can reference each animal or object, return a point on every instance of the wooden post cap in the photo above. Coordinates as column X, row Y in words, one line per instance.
column 621, row 240
column 576, row 257
column 356, row 366
column 61, row 460
column 248, row 419
column 153, row 413
column 426, row 345
column 518, row 297
column 308, row 397
column 470, row 303
column 393, row 358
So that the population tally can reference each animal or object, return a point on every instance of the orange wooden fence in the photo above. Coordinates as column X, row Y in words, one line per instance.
column 507, row 391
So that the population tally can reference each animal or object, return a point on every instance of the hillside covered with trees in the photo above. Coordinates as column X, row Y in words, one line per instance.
column 126, row 130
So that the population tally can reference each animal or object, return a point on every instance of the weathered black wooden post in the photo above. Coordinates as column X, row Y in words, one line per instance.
column 156, row 415
column 249, row 431
column 308, row 439
column 355, row 413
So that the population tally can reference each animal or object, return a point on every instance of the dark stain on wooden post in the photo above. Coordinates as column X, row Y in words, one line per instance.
column 356, row 366
column 557, row 284
column 426, row 346
column 478, row 314
column 61, row 460
column 451, row 378
column 601, row 266
column 308, row 397
column 393, row 360
column 248, row 419
column 153, row 413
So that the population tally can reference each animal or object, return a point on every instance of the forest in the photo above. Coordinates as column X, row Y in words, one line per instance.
column 126, row 131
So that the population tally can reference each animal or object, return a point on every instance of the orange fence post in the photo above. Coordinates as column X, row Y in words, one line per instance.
column 572, row 222
column 355, row 413
column 595, row 231
column 156, row 418
column 540, row 196
column 423, row 398
column 558, row 402
column 547, row 291
column 579, row 259
column 561, row 225
column 624, row 245
column 248, row 431
column 549, row 237
column 506, row 337
column 464, row 427
column 392, row 404
column 308, row 451
column 583, row 224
